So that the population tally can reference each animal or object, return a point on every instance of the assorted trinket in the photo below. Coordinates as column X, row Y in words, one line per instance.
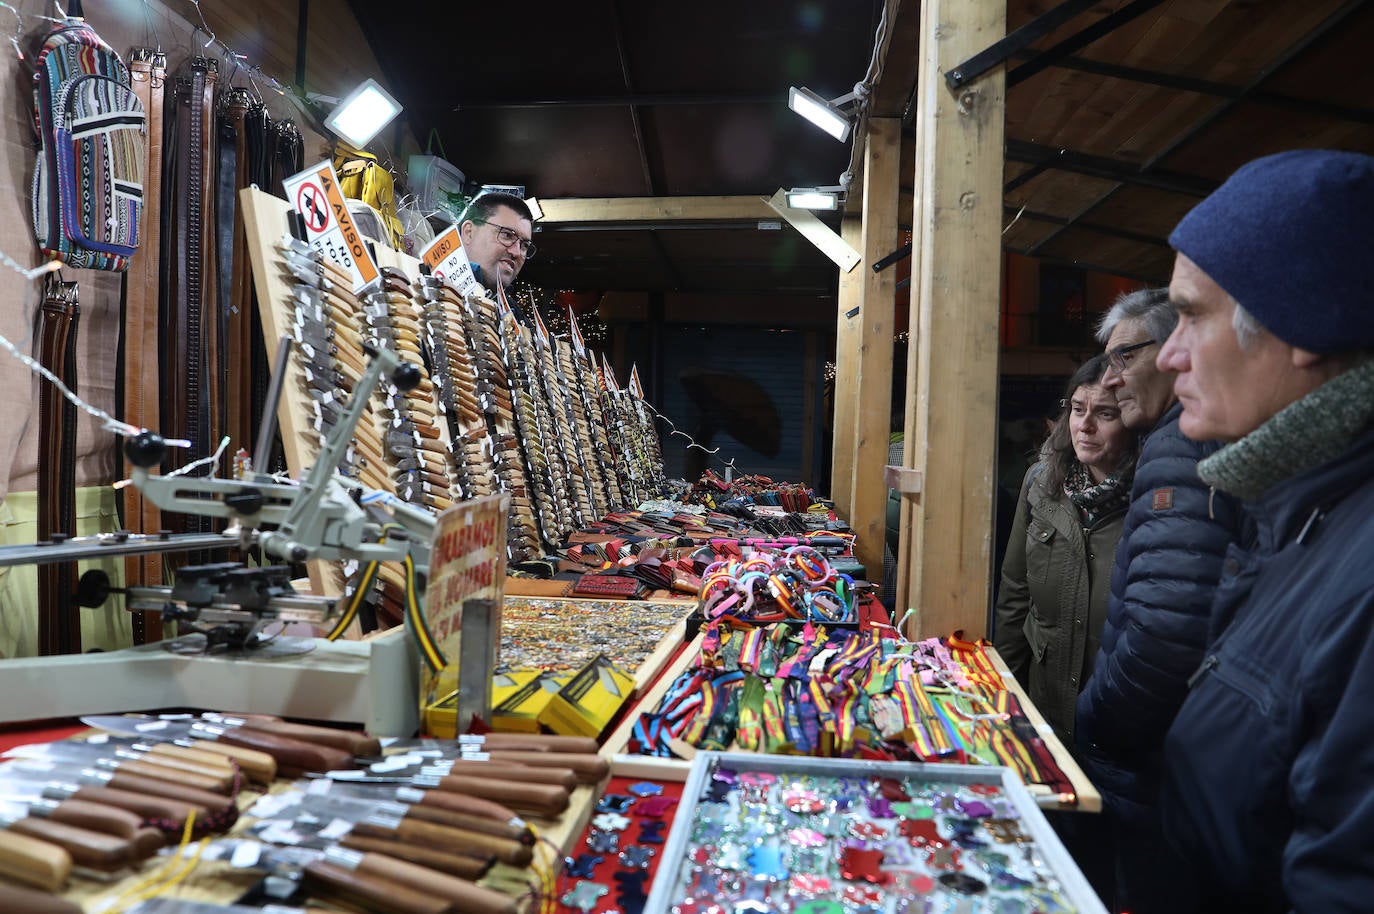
column 866, row 839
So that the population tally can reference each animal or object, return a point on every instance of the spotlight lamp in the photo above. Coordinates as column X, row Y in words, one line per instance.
column 829, row 115
column 818, row 198
column 363, row 113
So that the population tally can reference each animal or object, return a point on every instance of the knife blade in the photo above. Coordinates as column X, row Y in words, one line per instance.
column 213, row 802
column 149, row 809
column 288, row 753
column 120, row 759
column 386, row 883
column 399, row 821
column 258, row 766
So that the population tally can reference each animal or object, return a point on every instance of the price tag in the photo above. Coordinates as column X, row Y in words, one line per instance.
column 329, row 228
column 448, row 261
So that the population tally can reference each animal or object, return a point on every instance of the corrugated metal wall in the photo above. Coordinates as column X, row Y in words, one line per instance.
column 744, row 380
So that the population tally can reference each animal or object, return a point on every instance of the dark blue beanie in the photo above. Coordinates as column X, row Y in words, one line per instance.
column 1291, row 237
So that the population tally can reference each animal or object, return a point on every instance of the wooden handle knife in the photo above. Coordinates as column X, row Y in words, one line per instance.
column 480, row 824
column 97, row 817
column 260, row 767
column 460, row 865
column 350, row 741
column 33, row 862
column 196, row 778
column 30, row 901
column 590, row 768
column 543, row 799
column 540, row 742
column 463, row 803
column 150, row 808
column 377, row 894
column 289, row 753
column 467, row 896
column 214, row 802
column 207, row 758
column 529, row 774
column 452, row 840
column 87, row 848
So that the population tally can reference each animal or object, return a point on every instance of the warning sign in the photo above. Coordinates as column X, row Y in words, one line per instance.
column 329, row 227
column 448, row 261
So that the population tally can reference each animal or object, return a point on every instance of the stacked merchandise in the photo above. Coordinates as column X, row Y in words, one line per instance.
column 805, row 835
column 811, row 690
column 497, row 409
column 713, row 491
column 436, row 817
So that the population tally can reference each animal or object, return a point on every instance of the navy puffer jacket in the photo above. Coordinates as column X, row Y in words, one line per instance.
column 1167, row 564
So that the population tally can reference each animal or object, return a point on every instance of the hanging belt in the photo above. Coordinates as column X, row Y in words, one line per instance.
column 235, row 278
column 288, row 155
column 59, row 622
column 139, row 338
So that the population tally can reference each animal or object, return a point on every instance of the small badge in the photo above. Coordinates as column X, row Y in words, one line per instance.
column 1164, row 499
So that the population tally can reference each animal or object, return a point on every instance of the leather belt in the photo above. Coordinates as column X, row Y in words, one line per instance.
column 191, row 386
column 59, row 621
column 235, row 279
column 148, row 70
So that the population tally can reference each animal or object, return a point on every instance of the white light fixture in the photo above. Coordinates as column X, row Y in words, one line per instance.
column 363, row 113
column 829, row 115
column 819, row 198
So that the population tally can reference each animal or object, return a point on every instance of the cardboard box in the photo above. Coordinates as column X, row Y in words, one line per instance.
column 589, row 701
column 520, row 696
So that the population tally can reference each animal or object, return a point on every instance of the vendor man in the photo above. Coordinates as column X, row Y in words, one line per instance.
column 497, row 229
column 1269, row 779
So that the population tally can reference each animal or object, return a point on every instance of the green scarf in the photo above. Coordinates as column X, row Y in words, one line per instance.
column 1303, row 434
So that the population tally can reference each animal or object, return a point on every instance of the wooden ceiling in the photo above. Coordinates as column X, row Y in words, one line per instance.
column 1118, row 120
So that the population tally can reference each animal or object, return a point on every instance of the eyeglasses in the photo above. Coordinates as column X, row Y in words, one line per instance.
column 508, row 237
column 1117, row 358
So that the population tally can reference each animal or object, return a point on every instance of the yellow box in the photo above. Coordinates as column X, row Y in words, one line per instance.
column 520, row 696
column 589, row 700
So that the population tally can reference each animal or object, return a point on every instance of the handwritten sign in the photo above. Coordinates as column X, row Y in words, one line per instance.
column 329, row 228
column 448, row 261
column 467, row 562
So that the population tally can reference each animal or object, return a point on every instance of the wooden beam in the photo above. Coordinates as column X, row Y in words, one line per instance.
column 882, row 173
column 952, row 409
column 897, row 78
column 655, row 209
column 847, row 339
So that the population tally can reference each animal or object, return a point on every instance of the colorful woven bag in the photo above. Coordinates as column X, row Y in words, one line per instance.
column 88, row 181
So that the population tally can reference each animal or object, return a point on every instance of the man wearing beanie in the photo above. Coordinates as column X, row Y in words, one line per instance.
column 1269, row 778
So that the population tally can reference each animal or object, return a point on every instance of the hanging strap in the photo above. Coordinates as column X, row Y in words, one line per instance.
column 59, row 622
column 139, row 337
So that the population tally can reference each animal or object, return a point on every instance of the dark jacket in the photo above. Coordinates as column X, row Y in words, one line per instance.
column 1270, row 778
column 1167, row 565
column 1053, row 598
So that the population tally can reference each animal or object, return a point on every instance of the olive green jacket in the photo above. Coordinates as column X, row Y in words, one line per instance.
column 1056, row 578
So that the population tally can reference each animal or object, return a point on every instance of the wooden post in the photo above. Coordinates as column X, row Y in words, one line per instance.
column 846, row 374
column 952, row 415
column 882, row 167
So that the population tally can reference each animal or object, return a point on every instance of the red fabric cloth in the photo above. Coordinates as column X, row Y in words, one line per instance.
column 37, row 731
column 604, row 872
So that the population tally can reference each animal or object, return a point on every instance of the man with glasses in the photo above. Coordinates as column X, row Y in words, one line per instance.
column 1167, row 564
column 496, row 229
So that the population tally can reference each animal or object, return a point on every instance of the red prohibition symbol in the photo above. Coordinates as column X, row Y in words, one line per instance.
column 310, row 203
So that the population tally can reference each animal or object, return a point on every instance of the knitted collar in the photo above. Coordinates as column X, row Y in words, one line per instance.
column 1302, row 435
